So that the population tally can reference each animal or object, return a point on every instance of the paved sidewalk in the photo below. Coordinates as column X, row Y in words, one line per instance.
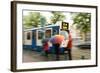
column 77, row 54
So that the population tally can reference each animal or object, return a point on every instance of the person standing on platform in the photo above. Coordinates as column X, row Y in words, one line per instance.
column 45, row 48
column 69, row 45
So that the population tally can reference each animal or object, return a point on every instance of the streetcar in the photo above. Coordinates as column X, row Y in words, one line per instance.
column 32, row 38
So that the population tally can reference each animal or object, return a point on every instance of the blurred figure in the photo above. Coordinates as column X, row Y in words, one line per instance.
column 45, row 47
column 56, row 42
column 56, row 48
column 69, row 45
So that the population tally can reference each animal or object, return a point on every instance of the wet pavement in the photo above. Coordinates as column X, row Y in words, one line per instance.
column 77, row 54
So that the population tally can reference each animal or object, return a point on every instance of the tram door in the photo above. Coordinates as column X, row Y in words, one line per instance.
column 34, row 39
column 40, row 36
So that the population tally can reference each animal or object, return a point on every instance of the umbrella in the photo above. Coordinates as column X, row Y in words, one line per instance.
column 57, row 39
column 64, row 33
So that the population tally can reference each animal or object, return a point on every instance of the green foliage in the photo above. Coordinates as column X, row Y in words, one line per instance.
column 34, row 19
column 82, row 21
column 43, row 21
column 57, row 16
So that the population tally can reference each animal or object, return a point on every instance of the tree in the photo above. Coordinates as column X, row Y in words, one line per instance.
column 82, row 22
column 57, row 16
column 33, row 19
column 43, row 21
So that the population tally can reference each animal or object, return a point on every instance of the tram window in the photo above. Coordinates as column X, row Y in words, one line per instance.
column 48, row 33
column 28, row 36
column 54, row 32
column 40, row 35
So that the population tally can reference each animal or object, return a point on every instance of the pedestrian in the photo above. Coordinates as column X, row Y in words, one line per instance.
column 69, row 45
column 56, row 42
column 45, row 48
column 56, row 48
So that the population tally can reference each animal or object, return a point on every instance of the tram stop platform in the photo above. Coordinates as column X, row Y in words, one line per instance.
column 77, row 54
